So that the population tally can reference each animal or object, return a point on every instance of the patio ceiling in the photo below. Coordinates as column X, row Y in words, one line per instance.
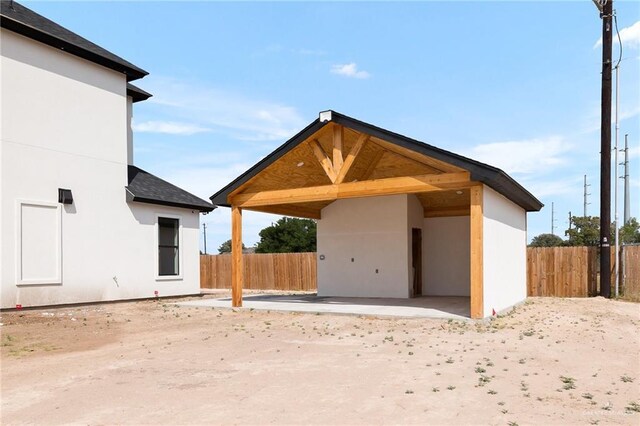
column 339, row 162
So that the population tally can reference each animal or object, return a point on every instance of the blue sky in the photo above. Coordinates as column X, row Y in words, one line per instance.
column 513, row 84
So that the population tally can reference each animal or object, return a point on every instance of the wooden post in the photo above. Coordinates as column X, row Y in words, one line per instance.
column 605, row 151
column 236, row 256
column 476, row 243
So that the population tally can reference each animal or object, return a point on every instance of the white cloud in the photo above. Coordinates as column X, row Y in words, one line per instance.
column 630, row 37
column 349, row 70
column 168, row 127
column 222, row 111
column 526, row 156
column 552, row 188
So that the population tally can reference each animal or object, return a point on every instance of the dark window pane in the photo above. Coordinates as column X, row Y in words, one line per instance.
column 168, row 250
column 168, row 261
column 168, row 231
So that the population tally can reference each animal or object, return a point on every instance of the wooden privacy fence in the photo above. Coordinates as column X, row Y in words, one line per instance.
column 573, row 271
column 273, row 271
column 553, row 271
column 562, row 271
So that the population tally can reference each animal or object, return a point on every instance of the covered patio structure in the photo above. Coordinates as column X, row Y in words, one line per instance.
column 396, row 217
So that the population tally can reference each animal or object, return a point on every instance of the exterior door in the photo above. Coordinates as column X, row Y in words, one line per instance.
column 416, row 262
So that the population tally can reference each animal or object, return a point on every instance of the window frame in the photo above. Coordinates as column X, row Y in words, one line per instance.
column 156, row 265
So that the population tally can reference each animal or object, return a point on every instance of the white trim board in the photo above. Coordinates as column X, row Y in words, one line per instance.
column 44, row 244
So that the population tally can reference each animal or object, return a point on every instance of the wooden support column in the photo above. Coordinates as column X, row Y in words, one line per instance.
column 476, row 243
column 236, row 257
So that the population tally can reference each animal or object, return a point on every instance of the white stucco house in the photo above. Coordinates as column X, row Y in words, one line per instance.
column 397, row 218
column 79, row 222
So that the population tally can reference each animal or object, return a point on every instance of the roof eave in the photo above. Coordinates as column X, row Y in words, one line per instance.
column 137, row 94
column 220, row 197
column 488, row 175
column 481, row 172
column 170, row 204
column 132, row 72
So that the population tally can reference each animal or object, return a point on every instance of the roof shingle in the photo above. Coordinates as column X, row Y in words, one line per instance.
column 146, row 188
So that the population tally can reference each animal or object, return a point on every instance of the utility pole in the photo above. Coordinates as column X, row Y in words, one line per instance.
column 586, row 194
column 204, row 227
column 570, row 220
column 553, row 219
column 627, row 201
column 606, row 14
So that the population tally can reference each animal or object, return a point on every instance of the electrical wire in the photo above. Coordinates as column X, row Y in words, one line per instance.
column 615, row 21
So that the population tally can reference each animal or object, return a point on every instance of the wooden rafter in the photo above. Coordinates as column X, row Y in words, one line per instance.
column 348, row 162
column 337, row 168
column 338, row 136
column 369, row 188
column 323, row 159
column 438, row 165
column 296, row 211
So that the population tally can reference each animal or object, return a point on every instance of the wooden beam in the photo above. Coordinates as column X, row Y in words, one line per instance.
column 323, row 159
column 447, row 211
column 367, row 188
column 415, row 156
column 476, row 243
column 348, row 162
column 236, row 256
column 294, row 211
column 338, row 133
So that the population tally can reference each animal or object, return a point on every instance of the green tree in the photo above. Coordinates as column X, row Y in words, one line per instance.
column 630, row 232
column 225, row 247
column 288, row 235
column 584, row 232
column 546, row 240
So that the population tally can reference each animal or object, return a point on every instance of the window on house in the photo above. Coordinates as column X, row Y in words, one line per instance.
column 168, row 246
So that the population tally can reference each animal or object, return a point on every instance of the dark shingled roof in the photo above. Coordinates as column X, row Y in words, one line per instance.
column 137, row 94
column 147, row 188
column 489, row 175
column 24, row 21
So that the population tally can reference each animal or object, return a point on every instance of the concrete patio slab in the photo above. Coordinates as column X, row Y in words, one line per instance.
column 419, row 307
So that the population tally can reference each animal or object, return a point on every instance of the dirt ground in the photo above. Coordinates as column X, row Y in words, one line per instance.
column 552, row 361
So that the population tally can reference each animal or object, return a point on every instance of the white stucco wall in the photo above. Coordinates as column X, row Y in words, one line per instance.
column 129, row 130
column 504, row 252
column 64, row 125
column 374, row 233
column 446, row 256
